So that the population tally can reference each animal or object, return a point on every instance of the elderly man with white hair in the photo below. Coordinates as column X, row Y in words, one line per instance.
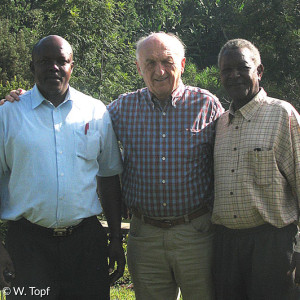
column 168, row 174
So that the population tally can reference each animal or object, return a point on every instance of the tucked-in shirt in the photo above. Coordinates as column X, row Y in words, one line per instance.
column 257, row 165
column 50, row 156
column 167, row 151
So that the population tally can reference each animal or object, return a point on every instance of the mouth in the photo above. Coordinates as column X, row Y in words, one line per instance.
column 235, row 84
column 160, row 79
column 54, row 77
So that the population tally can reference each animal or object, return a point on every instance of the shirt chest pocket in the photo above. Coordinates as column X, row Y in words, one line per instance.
column 87, row 145
column 264, row 165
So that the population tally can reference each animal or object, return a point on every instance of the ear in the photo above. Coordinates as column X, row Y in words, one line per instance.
column 182, row 65
column 72, row 66
column 138, row 68
column 260, row 71
column 31, row 65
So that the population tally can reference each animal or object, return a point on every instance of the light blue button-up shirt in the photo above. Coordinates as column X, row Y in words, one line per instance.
column 50, row 156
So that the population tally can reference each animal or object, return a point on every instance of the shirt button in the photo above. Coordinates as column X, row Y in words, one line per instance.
column 163, row 181
column 232, row 170
column 231, row 193
column 163, row 158
column 62, row 174
column 164, row 113
column 234, row 148
column 163, row 135
column 164, row 204
column 60, row 152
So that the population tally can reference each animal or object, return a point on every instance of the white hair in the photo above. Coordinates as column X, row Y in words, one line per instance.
column 177, row 45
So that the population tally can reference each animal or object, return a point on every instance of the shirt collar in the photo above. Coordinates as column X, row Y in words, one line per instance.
column 175, row 96
column 37, row 98
column 248, row 110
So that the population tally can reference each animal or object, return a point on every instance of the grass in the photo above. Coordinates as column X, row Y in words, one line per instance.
column 121, row 293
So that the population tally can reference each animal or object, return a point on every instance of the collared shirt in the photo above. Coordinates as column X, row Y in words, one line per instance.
column 167, row 151
column 50, row 156
column 257, row 165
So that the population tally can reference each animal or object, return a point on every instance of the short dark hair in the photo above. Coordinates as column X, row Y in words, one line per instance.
column 238, row 44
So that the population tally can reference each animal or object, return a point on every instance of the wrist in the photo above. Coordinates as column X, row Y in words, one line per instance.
column 118, row 237
column 297, row 243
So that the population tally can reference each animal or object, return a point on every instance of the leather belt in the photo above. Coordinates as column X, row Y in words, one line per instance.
column 167, row 223
column 56, row 232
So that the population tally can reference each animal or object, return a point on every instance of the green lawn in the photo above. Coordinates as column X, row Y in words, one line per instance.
column 121, row 293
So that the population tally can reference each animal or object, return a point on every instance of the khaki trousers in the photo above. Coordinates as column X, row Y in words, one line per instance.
column 163, row 260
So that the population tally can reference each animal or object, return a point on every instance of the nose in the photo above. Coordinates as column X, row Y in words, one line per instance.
column 160, row 69
column 54, row 66
column 234, row 73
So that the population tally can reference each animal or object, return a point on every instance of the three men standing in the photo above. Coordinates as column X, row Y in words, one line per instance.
column 167, row 135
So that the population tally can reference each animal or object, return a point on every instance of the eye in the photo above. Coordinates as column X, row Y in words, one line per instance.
column 168, row 63
column 62, row 61
column 244, row 68
column 43, row 61
column 150, row 63
column 225, row 71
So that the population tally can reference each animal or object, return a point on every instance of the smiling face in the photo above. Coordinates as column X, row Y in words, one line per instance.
column 160, row 66
column 240, row 75
column 52, row 67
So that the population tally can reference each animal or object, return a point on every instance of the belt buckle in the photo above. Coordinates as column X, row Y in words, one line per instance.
column 168, row 223
column 60, row 232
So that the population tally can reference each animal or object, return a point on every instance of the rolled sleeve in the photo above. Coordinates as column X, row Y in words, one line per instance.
column 110, row 162
column 3, row 166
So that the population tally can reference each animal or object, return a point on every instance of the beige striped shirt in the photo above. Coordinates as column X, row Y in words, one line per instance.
column 257, row 165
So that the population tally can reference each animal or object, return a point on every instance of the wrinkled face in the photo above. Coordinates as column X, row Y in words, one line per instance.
column 160, row 67
column 240, row 76
column 52, row 67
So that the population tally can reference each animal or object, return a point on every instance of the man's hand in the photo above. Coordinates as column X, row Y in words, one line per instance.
column 295, row 266
column 116, row 255
column 13, row 96
column 6, row 266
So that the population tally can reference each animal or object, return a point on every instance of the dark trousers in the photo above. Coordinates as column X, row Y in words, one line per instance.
column 252, row 264
column 64, row 268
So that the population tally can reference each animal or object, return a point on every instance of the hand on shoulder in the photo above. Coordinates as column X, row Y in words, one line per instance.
column 13, row 96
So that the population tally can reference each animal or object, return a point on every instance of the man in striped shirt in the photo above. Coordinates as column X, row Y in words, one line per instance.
column 166, row 133
column 257, row 183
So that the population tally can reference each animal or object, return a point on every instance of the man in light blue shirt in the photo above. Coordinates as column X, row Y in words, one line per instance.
column 55, row 145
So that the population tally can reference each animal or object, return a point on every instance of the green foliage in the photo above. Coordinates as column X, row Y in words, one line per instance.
column 14, row 53
column 208, row 79
column 103, row 35
column 13, row 85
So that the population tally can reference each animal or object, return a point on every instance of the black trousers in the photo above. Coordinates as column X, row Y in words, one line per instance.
column 64, row 268
column 252, row 264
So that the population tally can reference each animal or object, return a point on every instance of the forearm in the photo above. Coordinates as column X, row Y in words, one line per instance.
column 109, row 190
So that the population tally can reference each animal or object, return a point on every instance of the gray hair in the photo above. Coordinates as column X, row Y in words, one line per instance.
column 179, row 47
column 238, row 44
